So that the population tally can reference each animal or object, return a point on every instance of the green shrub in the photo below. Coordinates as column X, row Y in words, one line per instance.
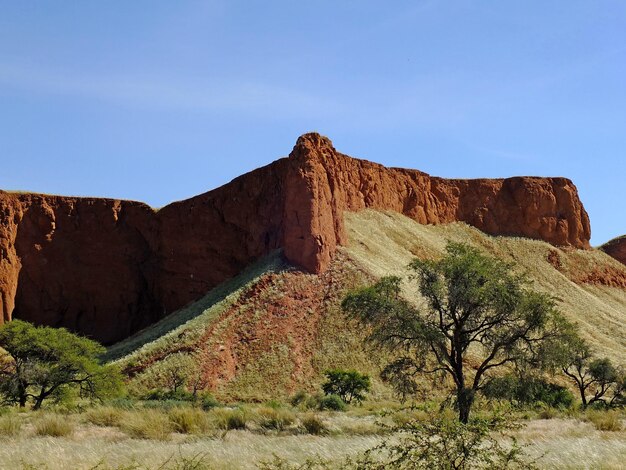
column 165, row 405
column 547, row 413
column 124, row 403
column 159, row 394
column 54, row 425
column 299, row 398
column 442, row 443
column 332, row 402
column 207, row 401
column 313, row 424
column 349, row 385
column 523, row 391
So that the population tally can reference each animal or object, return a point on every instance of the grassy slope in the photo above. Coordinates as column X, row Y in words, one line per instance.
column 384, row 243
column 273, row 330
column 197, row 313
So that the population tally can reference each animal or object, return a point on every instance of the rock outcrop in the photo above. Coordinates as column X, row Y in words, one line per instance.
column 107, row 268
column 616, row 248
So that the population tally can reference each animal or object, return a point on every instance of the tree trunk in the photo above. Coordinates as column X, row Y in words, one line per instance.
column 465, row 399
column 21, row 392
column 583, row 398
column 38, row 403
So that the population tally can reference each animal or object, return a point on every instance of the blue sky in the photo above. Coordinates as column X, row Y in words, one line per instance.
column 159, row 100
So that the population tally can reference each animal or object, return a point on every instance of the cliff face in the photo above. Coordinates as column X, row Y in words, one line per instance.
column 323, row 183
column 107, row 268
column 86, row 264
column 616, row 248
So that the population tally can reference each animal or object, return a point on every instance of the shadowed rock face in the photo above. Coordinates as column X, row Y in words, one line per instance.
column 107, row 268
column 616, row 248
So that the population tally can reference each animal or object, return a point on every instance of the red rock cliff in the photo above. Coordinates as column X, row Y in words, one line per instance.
column 616, row 248
column 323, row 183
column 107, row 268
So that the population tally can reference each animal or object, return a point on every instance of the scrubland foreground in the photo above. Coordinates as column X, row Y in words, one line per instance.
column 271, row 436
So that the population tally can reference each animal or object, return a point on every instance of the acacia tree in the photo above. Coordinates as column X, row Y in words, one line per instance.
column 597, row 379
column 349, row 385
column 42, row 362
column 475, row 305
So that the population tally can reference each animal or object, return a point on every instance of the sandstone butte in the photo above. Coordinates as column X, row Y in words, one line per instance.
column 107, row 268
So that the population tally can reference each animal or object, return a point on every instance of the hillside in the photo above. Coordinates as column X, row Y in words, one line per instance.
column 278, row 328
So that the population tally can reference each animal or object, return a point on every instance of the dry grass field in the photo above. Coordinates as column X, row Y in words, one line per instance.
column 109, row 438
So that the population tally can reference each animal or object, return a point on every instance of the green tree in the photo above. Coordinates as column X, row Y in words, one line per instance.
column 348, row 385
column 597, row 379
column 43, row 362
column 474, row 303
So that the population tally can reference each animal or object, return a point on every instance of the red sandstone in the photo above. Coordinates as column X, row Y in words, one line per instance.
column 107, row 268
column 616, row 248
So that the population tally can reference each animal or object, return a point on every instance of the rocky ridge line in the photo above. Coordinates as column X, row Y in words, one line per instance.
column 107, row 268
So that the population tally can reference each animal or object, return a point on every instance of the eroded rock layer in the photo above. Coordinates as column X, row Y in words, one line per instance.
column 107, row 268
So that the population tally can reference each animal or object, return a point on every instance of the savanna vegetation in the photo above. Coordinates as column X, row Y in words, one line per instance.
column 458, row 360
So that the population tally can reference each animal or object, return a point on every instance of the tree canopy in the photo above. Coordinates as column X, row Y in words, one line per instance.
column 474, row 305
column 37, row 363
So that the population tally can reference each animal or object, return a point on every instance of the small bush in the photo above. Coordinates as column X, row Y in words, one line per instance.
column 188, row 420
column 313, row 424
column 10, row 426
column 605, row 420
column 299, row 398
column 147, row 424
column 547, row 413
column 229, row 419
column 54, row 425
column 158, row 394
column 528, row 391
column 207, row 401
column 349, row 385
column 165, row 405
column 332, row 402
column 122, row 403
column 444, row 443
column 275, row 418
column 104, row 416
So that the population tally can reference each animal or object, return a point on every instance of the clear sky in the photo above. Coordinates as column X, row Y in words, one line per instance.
column 161, row 100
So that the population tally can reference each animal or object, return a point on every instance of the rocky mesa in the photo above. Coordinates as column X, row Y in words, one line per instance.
column 107, row 268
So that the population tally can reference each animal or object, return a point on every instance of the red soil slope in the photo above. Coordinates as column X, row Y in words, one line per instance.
column 107, row 268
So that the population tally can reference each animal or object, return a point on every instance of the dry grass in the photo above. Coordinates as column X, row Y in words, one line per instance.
column 147, row 424
column 190, row 421
column 275, row 419
column 104, row 416
column 605, row 420
column 383, row 243
column 556, row 443
column 54, row 425
column 10, row 425
column 573, row 444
